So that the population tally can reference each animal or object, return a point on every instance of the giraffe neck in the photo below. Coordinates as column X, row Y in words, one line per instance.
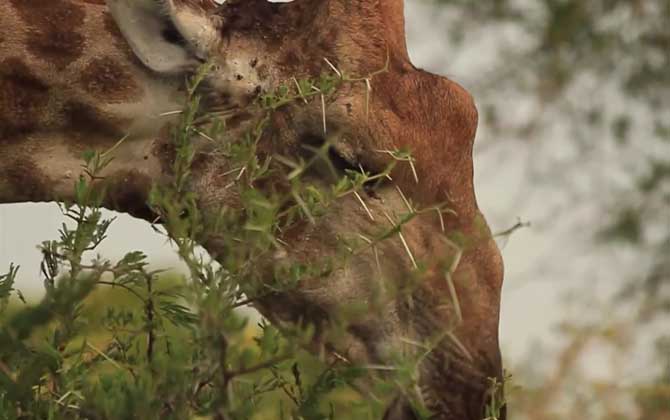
column 65, row 67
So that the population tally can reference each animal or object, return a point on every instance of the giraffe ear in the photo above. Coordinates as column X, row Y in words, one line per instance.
column 168, row 36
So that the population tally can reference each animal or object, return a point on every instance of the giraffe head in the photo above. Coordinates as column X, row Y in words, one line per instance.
column 254, row 46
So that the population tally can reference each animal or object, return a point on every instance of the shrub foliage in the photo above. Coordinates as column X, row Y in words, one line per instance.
column 119, row 340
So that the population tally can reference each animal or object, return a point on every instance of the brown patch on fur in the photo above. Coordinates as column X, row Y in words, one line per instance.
column 25, row 180
column 52, row 24
column 56, row 13
column 164, row 149
column 202, row 4
column 128, row 191
column 89, row 126
column 59, row 48
column 24, row 98
column 110, row 81
column 271, row 22
column 305, row 55
column 236, row 120
column 328, row 39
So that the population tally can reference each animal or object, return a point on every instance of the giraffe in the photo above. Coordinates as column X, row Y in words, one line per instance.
column 81, row 74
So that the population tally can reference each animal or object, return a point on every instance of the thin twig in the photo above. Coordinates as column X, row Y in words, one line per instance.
column 404, row 199
column 5, row 369
column 402, row 239
column 204, row 135
column 323, row 113
column 339, row 74
column 374, row 249
column 454, row 298
column 367, row 210
column 460, row 345
column 297, row 86
column 507, row 232
column 304, row 207
column 265, row 365
column 168, row 113
column 439, row 214
column 149, row 310
column 368, row 89
column 104, row 356
column 113, row 148
column 122, row 286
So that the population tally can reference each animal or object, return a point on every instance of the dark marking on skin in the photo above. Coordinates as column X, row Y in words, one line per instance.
column 247, row 16
column 290, row 57
column 40, row 13
column 164, row 149
column 89, row 126
column 301, row 59
column 271, row 22
column 223, row 98
column 328, row 39
column 172, row 35
column 236, row 120
column 201, row 4
column 25, row 180
column 253, row 63
column 23, row 100
column 110, row 81
column 128, row 191
column 52, row 35
column 57, row 47
column 263, row 71
column 200, row 162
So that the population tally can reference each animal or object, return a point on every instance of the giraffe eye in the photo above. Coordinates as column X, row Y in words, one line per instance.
column 334, row 164
column 171, row 35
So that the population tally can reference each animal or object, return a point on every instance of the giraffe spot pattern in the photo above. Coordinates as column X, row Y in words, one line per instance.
column 110, row 81
column 52, row 26
column 59, row 48
column 128, row 191
column 23, row 171
column 86, row 123
column 23, row 97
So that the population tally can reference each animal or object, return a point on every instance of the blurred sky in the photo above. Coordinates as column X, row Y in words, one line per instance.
column 543, row 264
